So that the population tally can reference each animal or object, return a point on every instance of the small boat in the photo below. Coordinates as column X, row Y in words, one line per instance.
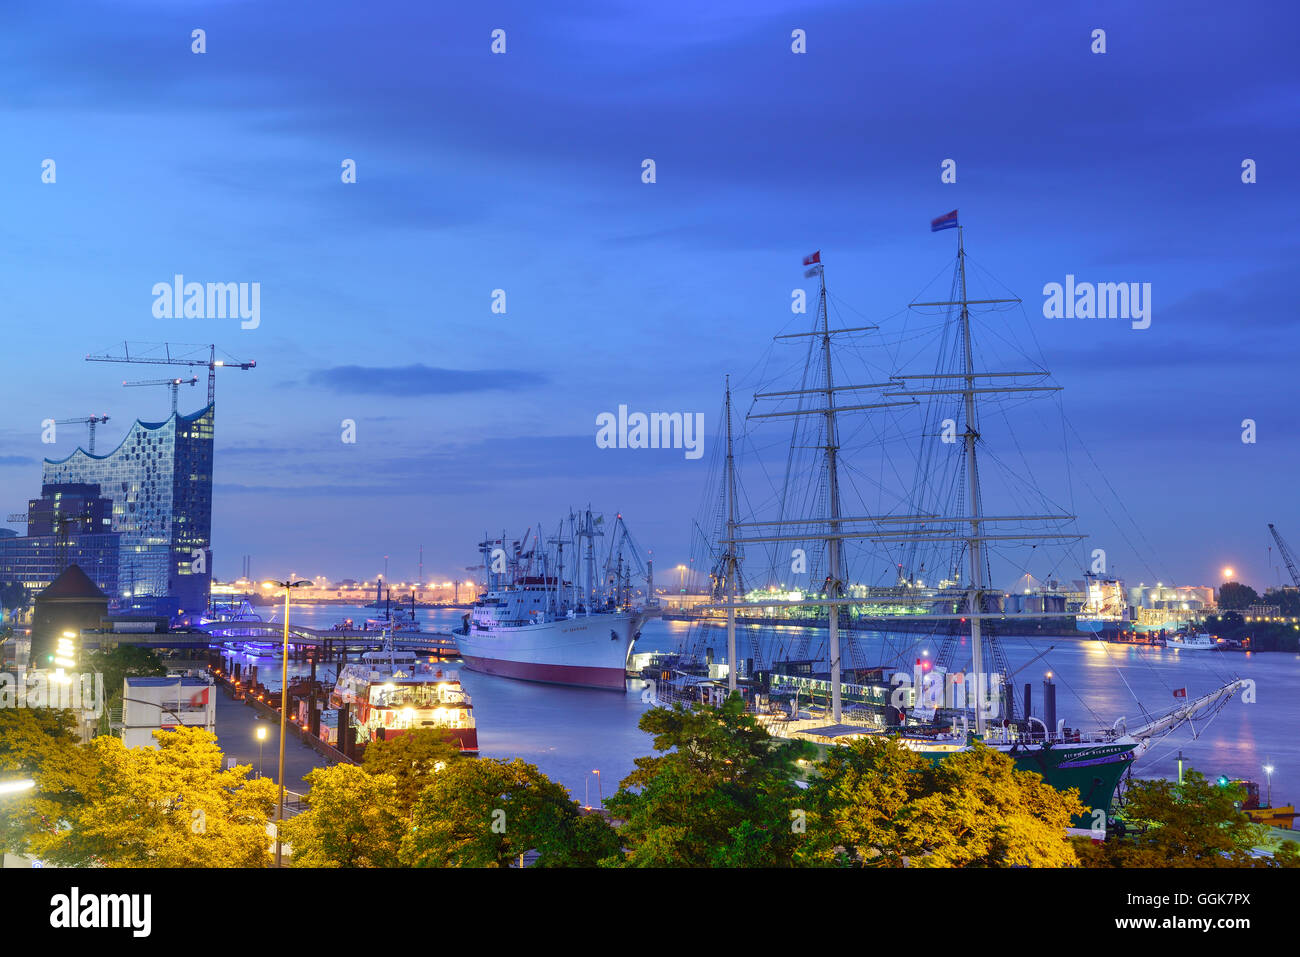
column 1192, row 641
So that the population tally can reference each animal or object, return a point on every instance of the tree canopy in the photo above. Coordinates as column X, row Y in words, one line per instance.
column 412, row 759
column 1193, row 824
column 488, row 813
column 353, row 819
column 721, row 793
column 173, row 806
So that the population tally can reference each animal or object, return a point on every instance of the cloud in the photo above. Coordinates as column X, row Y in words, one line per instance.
column 420, row 379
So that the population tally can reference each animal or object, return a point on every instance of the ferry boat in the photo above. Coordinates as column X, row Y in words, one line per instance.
column 533, row 624
column 1191, row 641
column 391, row 692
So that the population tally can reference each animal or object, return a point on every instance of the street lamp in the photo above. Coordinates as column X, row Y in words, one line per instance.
column 1268, row 770
column 261, row 739
column 16, row 787
column 288, row 585
column 599, row 794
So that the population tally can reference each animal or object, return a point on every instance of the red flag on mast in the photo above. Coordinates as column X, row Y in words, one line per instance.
column 1180, row 692
column 814, row 258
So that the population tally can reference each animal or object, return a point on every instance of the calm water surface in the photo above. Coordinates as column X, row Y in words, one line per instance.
column 571, row 732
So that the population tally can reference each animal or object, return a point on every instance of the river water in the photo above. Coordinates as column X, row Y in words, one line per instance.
column 570, row 733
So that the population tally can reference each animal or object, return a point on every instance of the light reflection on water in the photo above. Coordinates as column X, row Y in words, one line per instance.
column 568, row 732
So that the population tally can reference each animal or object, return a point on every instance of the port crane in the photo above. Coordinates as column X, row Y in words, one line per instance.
column 174, row 354
column 174, row 383
column 91, row 421
column 618, row 573
column 1287, row 557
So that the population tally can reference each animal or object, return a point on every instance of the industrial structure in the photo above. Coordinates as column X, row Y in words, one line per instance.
column 137, row 521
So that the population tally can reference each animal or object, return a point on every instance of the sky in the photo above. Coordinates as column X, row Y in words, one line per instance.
column 522, row 171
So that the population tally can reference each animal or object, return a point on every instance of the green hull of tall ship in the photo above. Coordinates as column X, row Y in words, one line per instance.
column 1093, row 769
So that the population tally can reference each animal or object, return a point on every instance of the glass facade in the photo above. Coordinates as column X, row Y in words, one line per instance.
column 35, row 561
column 160, row 483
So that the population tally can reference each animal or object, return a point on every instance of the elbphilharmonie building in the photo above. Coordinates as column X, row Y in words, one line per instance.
column 160, row 483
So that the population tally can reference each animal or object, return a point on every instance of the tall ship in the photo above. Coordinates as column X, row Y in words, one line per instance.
column 392, row 692
column 549, row 614
column 882, row 478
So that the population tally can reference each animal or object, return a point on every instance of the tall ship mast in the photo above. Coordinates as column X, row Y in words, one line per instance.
column 940, row 512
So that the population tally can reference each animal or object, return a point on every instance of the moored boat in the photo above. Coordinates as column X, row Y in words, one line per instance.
column 534, row 624
column 391, row 692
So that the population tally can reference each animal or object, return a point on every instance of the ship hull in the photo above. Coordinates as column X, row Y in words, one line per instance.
column 589, row 651
column 1094, row 770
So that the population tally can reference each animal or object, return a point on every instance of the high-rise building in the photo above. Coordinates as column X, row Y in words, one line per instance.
column 70, row 524
column 159, row 481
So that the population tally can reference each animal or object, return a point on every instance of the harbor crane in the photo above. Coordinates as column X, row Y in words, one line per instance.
column 91, row 421
column 174, row 354
column 174, row 383
column 1287, row 557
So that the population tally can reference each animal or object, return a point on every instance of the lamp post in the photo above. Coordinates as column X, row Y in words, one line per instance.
column 288, row 585
column 1268, row 770
column 599, row 793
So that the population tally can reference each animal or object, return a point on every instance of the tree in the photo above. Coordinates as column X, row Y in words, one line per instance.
column 1236, row 596
column 984, row 813
column 412, row 759
column 174, row 806
column 1193, row 824
column 488, row 813
column 879, row 804
column 41, row 744
column 121, row 662
column 1287, row 854
column 721, row 794
column 353, row 820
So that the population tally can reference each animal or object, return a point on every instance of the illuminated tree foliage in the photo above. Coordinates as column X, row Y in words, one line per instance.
column 489, row 813
column 354, row 819
column 175, row 806
column 412, row 759
column 40, row 743
column 878, row 804
column 1194, row 824
column 721, row 794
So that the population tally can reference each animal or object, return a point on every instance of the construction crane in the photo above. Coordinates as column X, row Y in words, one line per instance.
column 90, row 420
column 174, row 383
column 1287, row 557
column 175, row 354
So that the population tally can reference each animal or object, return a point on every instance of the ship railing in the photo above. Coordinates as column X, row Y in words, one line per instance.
column 1070, row 736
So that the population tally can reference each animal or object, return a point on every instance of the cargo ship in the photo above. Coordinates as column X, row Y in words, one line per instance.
column 535, row 624
column 391, row 692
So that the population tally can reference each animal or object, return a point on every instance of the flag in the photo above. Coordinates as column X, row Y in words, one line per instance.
column 199, row 698
column 1180, row 692
column 814, row 258
column 946, row 221
column 815, row 271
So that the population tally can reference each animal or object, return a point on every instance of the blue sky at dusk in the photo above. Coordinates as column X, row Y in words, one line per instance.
column 522, row 172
